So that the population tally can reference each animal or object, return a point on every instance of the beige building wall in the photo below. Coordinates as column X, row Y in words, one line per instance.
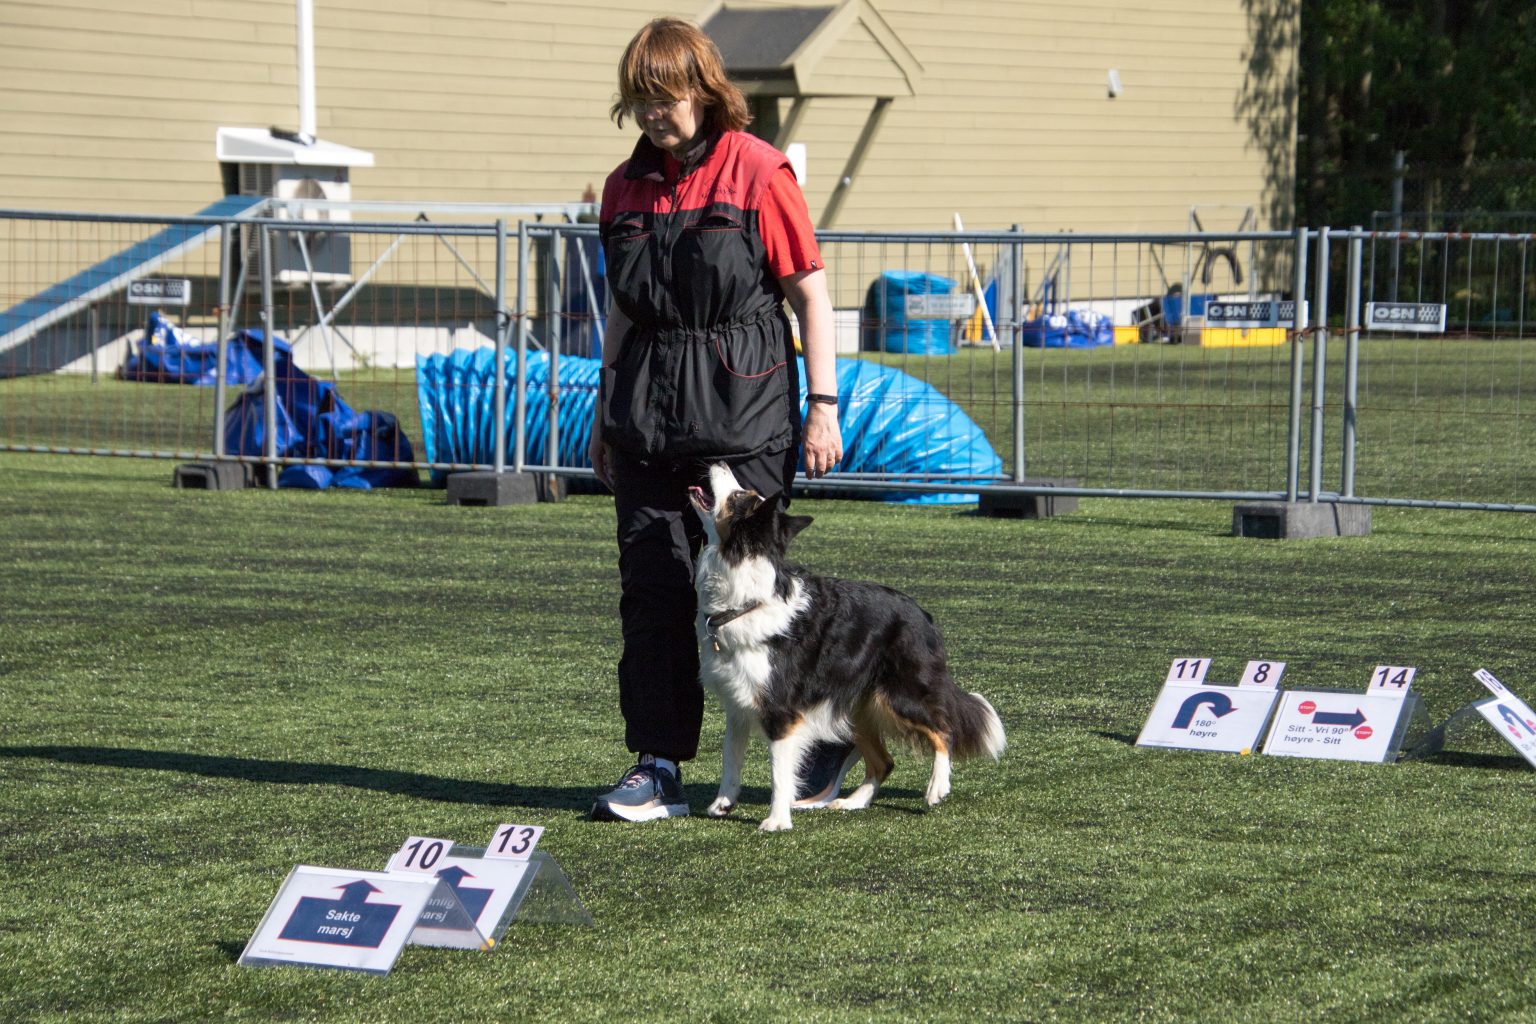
column 113, row 106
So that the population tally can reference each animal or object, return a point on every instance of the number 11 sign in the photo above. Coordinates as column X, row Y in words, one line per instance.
column 1191, row 714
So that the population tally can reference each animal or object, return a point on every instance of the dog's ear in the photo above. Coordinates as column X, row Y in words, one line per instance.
column 792, row 525
column 746, row 504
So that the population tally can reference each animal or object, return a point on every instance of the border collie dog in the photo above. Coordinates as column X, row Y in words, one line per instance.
column 800, row 658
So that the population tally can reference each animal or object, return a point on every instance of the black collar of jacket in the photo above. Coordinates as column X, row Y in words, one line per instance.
column 649, row 160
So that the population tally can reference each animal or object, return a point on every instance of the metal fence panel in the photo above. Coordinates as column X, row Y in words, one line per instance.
column 1447, row 415
column 1180, row 404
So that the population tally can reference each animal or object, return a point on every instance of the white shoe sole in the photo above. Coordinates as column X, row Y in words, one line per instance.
column 645, row 812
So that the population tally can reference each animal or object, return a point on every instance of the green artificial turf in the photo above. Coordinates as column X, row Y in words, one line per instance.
column 200, row 690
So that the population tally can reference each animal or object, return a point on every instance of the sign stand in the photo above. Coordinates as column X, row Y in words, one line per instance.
column 1342, row 726
column 1190, row 714
column 493, row 890
column 433, row 893
column 349, row 920
column 549, row 897
column 1511, row 717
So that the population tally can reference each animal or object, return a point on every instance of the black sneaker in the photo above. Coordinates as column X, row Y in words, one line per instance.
column 826, row 767
column 645, row 793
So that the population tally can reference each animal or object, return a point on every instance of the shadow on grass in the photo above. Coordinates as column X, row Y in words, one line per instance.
column 1487, row 762
column 413, row 784
column 1118, row 737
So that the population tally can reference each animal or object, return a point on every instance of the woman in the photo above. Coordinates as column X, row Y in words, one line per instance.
column 705, row 234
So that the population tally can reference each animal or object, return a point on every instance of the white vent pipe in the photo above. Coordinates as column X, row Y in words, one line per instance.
column 306, row 27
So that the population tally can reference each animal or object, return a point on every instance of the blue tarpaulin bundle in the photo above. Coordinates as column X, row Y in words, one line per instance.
column 886, row 326
column 891, row 422
column 168, row 355
column 313, row 422
column 1076, row 328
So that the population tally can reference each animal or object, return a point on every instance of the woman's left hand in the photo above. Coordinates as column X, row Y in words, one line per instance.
column 823, row 440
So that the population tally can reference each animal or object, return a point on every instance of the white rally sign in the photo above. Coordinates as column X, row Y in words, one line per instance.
column 1190, row 716
column 350, row 920
column 1511, row 716
column 484, row 889
column 1339, row 726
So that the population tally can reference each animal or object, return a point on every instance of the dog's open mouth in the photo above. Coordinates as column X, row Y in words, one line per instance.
column 701, row 499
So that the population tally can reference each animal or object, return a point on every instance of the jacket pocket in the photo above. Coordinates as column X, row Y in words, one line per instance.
column 735, row 396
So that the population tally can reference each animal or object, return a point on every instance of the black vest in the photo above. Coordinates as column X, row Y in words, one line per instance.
column 708, row 370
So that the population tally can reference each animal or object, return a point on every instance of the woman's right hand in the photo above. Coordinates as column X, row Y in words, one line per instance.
column 601, row 456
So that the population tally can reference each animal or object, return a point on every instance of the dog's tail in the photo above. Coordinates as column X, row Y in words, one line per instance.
column 976, row 727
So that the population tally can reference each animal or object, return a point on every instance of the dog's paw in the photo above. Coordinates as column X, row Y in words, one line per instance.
column 858, row 800
column 721, row 807
column 936, row 794
column 775, row 823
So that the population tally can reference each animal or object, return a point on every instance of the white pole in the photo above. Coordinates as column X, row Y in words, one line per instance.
column 306, row 33
column 978, row 290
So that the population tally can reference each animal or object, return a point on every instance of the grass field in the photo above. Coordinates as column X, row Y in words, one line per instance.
column 201, row 690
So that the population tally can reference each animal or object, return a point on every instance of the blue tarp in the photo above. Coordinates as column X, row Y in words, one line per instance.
column 313, row 422
column 168, row 355
column 891, row 422
column 886, row 327
column 1076, row 328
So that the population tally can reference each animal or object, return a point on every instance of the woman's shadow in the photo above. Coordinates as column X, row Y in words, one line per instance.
column 306, row 773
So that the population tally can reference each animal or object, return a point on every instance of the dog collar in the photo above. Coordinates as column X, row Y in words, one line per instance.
column 713, row 623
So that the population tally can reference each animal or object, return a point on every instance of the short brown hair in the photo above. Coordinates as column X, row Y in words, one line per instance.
column 673, row 58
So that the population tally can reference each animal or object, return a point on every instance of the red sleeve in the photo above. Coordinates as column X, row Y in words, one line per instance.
column 785, row 225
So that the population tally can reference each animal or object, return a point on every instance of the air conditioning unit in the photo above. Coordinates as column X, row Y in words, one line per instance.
column 329, row 252
column 283, row 167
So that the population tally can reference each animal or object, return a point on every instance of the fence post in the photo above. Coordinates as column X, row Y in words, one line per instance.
column 1298, row 333
column 520, row 404
column 1018, row 361
column 268, row 361
column 1351, row 360
column 499, row 428
column 221, row 342
column 93, row 330
column 553, row 337
column 1319, row 320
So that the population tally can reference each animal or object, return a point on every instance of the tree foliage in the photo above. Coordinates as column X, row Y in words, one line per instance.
column 1448, row 83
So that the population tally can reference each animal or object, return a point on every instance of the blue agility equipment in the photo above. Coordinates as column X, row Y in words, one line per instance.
column 313, row 422
column 891, row 422
column 168, row 355
column 886, row 327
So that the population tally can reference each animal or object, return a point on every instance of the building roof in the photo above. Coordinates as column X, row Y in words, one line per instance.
column 845, row 49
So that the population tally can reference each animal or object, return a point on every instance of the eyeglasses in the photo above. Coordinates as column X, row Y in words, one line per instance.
column 660, row 104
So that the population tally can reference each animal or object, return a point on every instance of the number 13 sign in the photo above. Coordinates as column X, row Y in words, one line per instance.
column 514, row 842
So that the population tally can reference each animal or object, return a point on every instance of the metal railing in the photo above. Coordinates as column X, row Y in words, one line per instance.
column 1148, row 395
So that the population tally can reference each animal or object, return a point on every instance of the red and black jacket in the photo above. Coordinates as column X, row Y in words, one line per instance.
column 708, row 369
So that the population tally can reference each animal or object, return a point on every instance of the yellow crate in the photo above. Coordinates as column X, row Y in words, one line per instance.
column 1127, row 335
column 1240, row 337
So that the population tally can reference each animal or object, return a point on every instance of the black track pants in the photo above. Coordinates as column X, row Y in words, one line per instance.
column 659, row 537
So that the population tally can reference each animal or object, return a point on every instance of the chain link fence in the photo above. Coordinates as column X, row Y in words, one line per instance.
column 968, row 361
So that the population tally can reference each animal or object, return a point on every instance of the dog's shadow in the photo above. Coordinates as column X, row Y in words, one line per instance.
column 752, row 805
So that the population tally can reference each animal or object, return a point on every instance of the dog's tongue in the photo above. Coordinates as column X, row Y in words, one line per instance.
column 700, row 498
